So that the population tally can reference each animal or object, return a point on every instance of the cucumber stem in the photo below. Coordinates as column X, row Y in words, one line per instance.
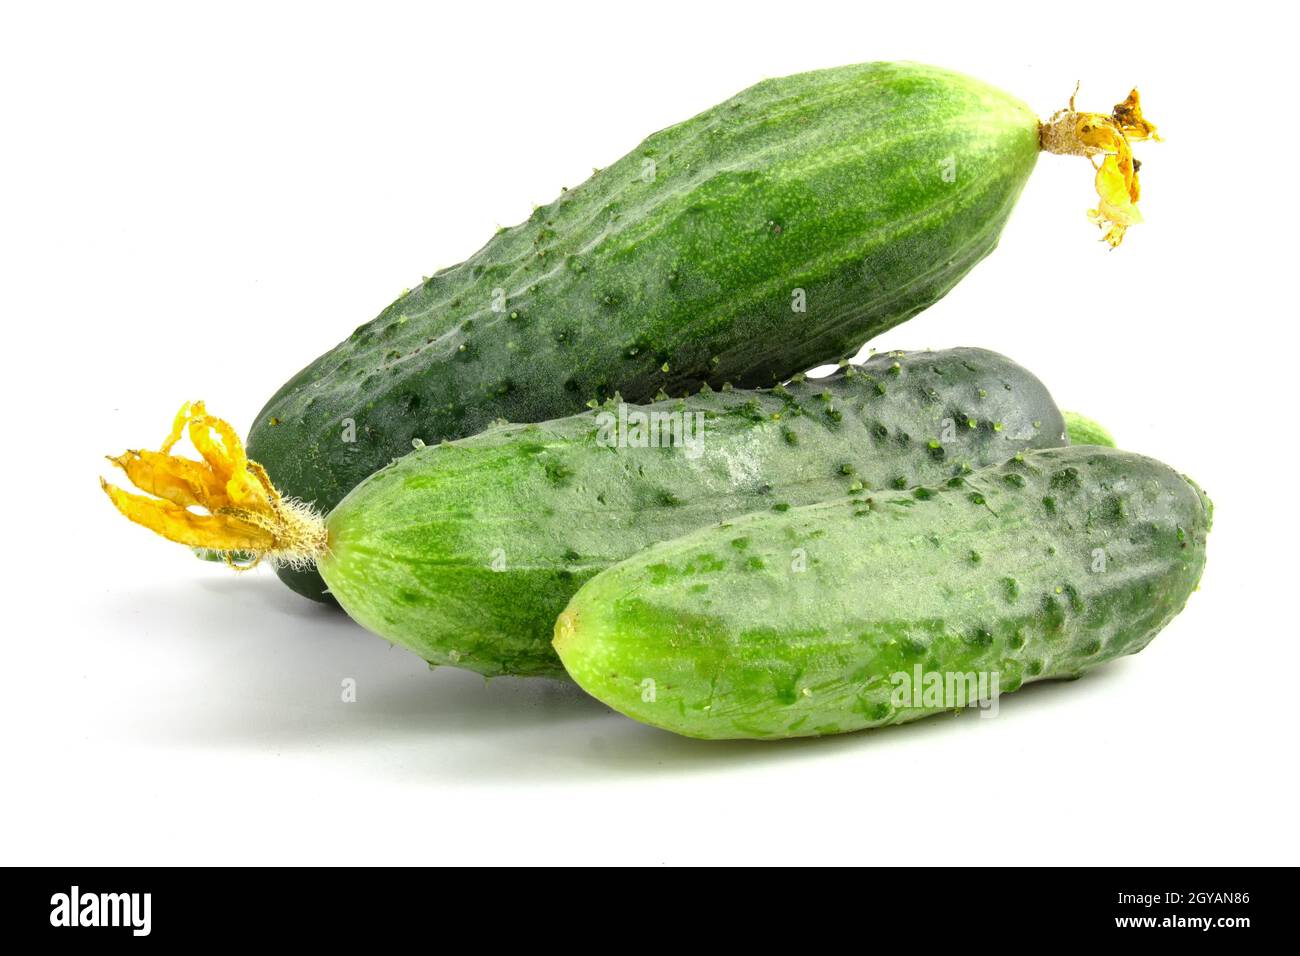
column 1072, row 133
column 247, row 519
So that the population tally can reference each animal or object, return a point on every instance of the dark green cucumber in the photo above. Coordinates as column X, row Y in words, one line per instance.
column 813, row 621
column 778, row 230
column 466, row 552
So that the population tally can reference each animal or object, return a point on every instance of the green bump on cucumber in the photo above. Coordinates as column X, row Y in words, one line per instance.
column 832, row 609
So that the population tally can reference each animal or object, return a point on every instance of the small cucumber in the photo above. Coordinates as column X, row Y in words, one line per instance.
column 467, row 551
column 778, row 230
column 1085, row 431
column 816, row 620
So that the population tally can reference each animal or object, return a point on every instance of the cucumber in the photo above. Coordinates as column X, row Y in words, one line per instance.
column 1085, row 431
column 466, row 552
column 777, row 230
column 817, row 620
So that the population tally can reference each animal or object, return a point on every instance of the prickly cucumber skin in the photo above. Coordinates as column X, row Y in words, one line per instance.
column 466, row 552
column 778, row 230
column 1039, row 568
column 1085, row 431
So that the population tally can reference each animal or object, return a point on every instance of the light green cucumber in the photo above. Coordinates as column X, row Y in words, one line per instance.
column 832, row 617
column 466, row 552
column 1085, row 431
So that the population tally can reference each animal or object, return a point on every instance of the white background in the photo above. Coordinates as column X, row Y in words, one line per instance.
column 197, row 202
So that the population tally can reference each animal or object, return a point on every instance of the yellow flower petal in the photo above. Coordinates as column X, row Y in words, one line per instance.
column 245, row 513
column 220, row 532
column 1073, row 133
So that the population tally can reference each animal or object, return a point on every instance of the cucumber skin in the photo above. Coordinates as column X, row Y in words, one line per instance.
column 831, row 181
column 412, row 546
column 1084, row 431
column 738, row 646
